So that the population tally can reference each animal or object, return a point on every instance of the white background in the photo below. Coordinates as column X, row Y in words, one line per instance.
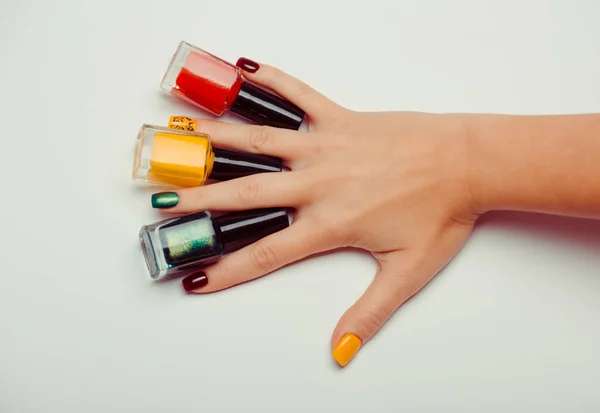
column 510, row 325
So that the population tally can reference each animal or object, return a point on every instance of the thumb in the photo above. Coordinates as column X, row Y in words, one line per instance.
column 395, row 282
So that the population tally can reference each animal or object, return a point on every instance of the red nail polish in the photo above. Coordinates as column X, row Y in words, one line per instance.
column 248, row 65
column 212, row 84
column 194, row 281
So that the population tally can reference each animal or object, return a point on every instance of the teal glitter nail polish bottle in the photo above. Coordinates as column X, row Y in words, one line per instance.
column 176, row 245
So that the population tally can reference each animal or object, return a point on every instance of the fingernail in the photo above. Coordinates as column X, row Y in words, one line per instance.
column 248, row 65
column 194, row 281
column 165, row 200
column 346, row 349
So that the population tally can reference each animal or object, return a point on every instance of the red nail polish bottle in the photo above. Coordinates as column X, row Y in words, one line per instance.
column 218, row 86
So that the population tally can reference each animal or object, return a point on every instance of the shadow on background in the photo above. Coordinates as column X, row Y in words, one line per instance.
column 582, row 232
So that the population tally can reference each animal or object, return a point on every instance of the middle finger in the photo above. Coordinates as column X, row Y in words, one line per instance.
column 264, row 140
column 265, row 190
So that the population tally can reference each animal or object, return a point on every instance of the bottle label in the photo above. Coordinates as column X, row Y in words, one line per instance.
column 183, row 123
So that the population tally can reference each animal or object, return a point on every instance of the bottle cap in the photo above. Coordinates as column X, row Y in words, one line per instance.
column 230, row 165
column 239, row 229
column 265, row 108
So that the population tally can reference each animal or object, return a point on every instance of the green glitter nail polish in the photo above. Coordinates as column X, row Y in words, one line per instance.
column 165, row 200
column 190, row 242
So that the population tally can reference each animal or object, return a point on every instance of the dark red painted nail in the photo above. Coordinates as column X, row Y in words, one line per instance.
column 248, row 65
column 194, row 281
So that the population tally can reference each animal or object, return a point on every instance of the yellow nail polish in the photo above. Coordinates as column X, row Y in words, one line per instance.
column 346, row 349
column 168, row 156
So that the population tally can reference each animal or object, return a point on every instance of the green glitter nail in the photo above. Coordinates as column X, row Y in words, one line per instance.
column 165, row 200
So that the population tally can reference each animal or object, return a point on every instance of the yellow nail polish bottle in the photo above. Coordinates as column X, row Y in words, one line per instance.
column 180, row 156
column 172, row 157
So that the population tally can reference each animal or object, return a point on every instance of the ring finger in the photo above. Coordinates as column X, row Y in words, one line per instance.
column 263, row 257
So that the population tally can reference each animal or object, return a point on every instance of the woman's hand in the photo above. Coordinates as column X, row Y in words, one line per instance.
column 394, row 184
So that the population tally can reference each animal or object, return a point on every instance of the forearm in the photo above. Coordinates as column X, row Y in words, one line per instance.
column 548, row 164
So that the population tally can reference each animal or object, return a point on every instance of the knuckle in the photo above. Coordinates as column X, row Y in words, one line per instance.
column 374, row 318
column 259, row 138
column 263, row 257
column 248, row 193
column 302, row 89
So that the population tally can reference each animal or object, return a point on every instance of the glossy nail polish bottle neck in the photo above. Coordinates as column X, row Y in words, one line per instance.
column 246, row 227
column 264, row 108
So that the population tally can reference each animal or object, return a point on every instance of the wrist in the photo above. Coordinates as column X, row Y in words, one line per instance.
column 485, row 178
column 545, row 164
